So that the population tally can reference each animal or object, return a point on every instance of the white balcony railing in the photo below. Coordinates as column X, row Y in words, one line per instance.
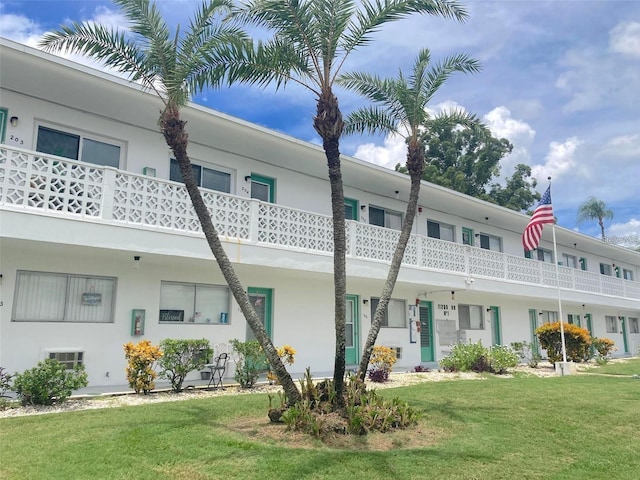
column 39, row 182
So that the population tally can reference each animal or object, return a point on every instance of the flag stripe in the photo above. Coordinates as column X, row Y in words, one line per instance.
column 542, row 215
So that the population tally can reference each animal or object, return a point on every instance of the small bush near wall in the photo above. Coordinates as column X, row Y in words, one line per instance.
column 382, row 361
column 466, row 357
column 179, row 357
column 141, row 359
column 5, row 381
column 577, row 341
column 502, row 357
column 49, row 382
column 251, row 362
column 604, row 347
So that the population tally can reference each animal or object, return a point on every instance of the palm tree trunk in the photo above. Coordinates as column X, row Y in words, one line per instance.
column 172, row 128
column 415, row 166
column 329, row 124
column 601, row 223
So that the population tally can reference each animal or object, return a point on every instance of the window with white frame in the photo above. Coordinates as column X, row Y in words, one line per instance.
column 193, row 303
column 60, row 297
column 490, row 242
column 548, row 316
column 544, row 255
column 385, row 218
column 627, row 274
column 573, row 319
column 205, row 177
column 440, row 230
column 612, row 323
column 470, row 317
column 76, row 146
column 70, row 360
column 605, row 269
column 395, row 316
column 633, row 325
column 569, row 260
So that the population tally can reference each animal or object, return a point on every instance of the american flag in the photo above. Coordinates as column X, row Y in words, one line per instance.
column 541, row 215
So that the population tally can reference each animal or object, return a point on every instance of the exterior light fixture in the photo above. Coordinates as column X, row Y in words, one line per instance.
column 136, row 262
column 13, row 121
column 247, row 178
column 397, row 194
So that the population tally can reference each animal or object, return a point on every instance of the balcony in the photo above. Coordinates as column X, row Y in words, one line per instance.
column 30, row 181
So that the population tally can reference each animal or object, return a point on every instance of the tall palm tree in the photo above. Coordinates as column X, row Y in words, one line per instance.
column 311, row 43
column 594, row 209
column 174, row 66
column 400, row 108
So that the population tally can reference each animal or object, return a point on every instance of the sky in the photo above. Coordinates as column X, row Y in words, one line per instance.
column 560, row 80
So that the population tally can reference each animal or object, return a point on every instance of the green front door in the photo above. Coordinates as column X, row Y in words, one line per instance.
column 426, row 332
column 587, row 318
column 262, row 301
column 623, row 327
column 352, row 327
column 533, row 321
column 496, row 330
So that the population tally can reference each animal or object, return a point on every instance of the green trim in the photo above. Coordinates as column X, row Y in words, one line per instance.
column 527, row 254
column 4, row 116
column 467, row 236
column 623, row 327
column 533, row 322
column 583, row 263
column 267, row 293
column 496, row 326
column 351, row 353
column 353, row 203
column 587, row 317
column 427, row 354
column 270, row 182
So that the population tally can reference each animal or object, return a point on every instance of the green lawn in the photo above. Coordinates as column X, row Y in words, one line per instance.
column 574, row 427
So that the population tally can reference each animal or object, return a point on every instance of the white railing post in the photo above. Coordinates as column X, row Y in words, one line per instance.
column 254, row 221
column 108, row 193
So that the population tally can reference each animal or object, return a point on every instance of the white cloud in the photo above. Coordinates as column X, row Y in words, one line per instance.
column 393, row 151
column 625, row 38
column 20, row 29
column 627, row 146
column 625, row 234
column 519, row 133
column 560, row 160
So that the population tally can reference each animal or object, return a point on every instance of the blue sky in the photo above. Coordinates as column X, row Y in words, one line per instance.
column 560, row 79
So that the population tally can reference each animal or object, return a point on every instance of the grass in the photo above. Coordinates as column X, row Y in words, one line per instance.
column 626, row 367
column 582, row 426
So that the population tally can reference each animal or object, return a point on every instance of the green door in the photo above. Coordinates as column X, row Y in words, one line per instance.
column 533, row 321
column 496, row 330
column 262, row 301
column 587, row 318
column 623, row 327
column 426, row 332
column 352, row 327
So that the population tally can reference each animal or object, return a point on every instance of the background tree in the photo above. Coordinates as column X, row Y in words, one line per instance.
column 594, row 209
column 173, row 66
column 403, row 111
column 312, row 40
column 519, row 191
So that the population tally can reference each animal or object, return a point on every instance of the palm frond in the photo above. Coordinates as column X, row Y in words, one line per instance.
column 371, row 120
column 444, row 69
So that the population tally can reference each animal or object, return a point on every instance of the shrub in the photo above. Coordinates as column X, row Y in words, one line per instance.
column 465, row 357
column 251, row 362
column 526, row 352
column 604, row 347
column 502, row 357
column 179, row 357
column 577, row 341
column 48, row 382
column 5, row 381
column 421, row 369
column 382, row 361
column 141, row 361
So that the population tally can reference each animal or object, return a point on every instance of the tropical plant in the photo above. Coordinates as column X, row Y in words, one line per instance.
column 250, row 362
column 604, row 347
column 501, row 358
column 594, row 209
column 5, row 381
column 141, row 360
column 174, row 65
column 48, row 382
column 311, row 42
column 382, row 361
column 577, row 341
column 288, row 355
column 465, row 357
column 403, row 111
column 179, row 357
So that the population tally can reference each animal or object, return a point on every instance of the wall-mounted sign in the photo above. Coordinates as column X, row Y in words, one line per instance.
column 172, row 315
column 91, row 298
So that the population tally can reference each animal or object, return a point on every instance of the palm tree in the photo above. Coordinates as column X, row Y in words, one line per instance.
column 173, row 66
column 312, row 41
column 593, row 209
column 401, row 109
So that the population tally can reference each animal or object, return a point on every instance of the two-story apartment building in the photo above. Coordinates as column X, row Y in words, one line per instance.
column 99, row 245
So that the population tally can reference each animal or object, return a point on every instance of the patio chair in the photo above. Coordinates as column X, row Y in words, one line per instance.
column 217, row 371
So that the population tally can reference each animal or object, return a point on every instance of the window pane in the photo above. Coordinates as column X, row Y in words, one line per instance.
column 605, row 269
column 484, row 242
column 210, row 303
column 100, row 153
column 393, row 220
column 176, row 175
column 58, row 143
column 40, row 297
column 260, row 191
column 495, row 244
column 216, row 180
column 446, row 232
column 90, row 299
column 348, row 212
column 433, row 229
column 396, row 312
column 178, row 297
column 376, row 216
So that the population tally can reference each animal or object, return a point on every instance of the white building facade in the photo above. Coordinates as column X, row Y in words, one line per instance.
column 99, row 245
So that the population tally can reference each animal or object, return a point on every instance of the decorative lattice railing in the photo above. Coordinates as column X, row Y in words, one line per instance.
column 36, row 182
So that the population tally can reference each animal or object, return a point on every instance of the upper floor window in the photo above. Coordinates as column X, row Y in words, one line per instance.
column 544, row 255
column 350, row 209
column 573, row 319
column 605, row 269
column 263, row 188
column 78, row 147
column 627, row 274
column 193, row 303
column 395, row 315
column 59, row 297
column 612, row 323
column 633, row 325
column 490, row 242
column 569, row 260
column 548, row 316
column 385, row 218
column 439, row 230
column 204, row 177
column 470, row 317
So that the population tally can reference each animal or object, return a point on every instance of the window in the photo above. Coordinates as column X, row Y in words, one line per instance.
column 263, row 188
column 350, row 209
column 394, row 316
column 385, row 218
column 193, row 303
column 77, row 147
column 612, row 323
column 470, row 317
column 605, row 269
column 467, row 236
column 490, row 242
column 69, row 359
column 573, row 319
column 205, row 177
column 633, row 325
column 442, row 231
column 569, row 260
column 627, row 274
column 58, row 297
column 544, row 255
column 548, row 316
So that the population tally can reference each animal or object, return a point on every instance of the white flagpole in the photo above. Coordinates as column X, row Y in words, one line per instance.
column 555, row 256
